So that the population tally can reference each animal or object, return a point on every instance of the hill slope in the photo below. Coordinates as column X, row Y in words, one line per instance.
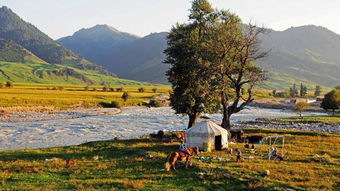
column 96, row 42
column 20, row 65
column 29, row 55
column 307, row 54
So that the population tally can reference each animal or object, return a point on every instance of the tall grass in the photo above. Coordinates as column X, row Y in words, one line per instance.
column 70, row 96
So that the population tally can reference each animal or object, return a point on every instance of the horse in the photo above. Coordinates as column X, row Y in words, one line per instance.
column 181, row 156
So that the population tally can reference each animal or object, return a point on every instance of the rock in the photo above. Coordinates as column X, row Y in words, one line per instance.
column 265, row 173
column 201, row 175
column 149, row 157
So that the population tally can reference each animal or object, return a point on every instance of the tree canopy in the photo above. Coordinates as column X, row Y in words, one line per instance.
column 211, row 60
column 331, row 100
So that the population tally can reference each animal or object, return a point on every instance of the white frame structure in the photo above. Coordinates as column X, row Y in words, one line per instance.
column 272, row 141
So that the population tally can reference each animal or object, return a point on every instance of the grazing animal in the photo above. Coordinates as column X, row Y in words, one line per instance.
column 181, row 156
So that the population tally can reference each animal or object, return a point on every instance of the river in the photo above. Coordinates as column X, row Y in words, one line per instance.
column 131, row 122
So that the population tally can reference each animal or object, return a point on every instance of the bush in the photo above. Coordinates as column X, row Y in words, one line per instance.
column 155, row 103
column 300, row 107
column 105, row 89
column 1, row 85
column 86, row 88
column 154, row 90
column 281, row 94
column 120, row 89
column 9, row 84
column 61, row 88
column 116, row 104
column 141, row 90
column 125, row 96
column 94, row 89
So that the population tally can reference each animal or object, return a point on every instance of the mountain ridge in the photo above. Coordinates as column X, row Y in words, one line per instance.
column 97, row 41
column 307, row 54
column 30, row 56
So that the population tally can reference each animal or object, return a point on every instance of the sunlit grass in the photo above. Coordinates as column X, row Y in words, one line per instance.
column 313, row 119
column 312, row 163
column 30, row 95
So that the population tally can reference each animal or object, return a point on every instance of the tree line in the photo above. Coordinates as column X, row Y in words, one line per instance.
column 295, row 92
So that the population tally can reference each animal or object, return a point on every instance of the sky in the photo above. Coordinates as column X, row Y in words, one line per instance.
column 59, row 18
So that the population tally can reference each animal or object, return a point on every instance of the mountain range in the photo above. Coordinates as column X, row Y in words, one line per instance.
column 307, row 54
column 28, row 55
column 97, row 55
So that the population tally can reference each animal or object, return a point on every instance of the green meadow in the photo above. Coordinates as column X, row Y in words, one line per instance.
column 311, row 163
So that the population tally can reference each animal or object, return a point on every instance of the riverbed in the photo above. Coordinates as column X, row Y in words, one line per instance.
column 129, row 123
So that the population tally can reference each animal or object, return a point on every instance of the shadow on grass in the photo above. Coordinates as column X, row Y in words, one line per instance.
column 127, row 171
column 88, row 150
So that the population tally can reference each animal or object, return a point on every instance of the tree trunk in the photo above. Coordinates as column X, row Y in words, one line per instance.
column 226, row 116
column 193, row 119
column 226, row 121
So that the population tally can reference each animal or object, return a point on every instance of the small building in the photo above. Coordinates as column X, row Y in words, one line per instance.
column 207, row 132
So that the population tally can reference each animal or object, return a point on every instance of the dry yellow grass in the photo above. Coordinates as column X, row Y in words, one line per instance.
column 40, row 97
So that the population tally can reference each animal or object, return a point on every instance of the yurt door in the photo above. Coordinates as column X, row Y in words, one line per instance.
column 218, row 143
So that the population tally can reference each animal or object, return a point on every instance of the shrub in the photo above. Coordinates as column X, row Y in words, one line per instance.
column 61, row 88
column 300, row 107
column 116, row 104
column 111, row 89
column 9, row 84
column 1, row 85
column 105, row 89
column 281, row 94
column 154, row 90
column 86, row 88
column 94, row 89
column 155, row 103
column 141, row 90
column 125, row 96
column 120, row 89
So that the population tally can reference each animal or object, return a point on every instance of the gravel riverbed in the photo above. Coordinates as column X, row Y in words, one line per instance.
column 38, row 130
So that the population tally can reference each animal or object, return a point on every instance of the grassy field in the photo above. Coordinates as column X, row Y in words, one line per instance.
column 334, row 119
column 312, row 163
column 31, row 95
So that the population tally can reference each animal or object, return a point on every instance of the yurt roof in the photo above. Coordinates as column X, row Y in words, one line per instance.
column 205, row 128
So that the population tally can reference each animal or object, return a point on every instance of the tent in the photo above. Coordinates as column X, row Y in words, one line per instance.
column 207, row 132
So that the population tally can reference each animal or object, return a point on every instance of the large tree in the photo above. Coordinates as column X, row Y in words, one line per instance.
column 211, row 61
column 188, row 74
column 235, row 48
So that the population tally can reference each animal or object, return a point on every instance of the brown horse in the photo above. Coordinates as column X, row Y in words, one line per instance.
column 181, row 156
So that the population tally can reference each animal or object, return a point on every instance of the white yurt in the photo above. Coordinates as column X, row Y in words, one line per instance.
column 207, row 132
